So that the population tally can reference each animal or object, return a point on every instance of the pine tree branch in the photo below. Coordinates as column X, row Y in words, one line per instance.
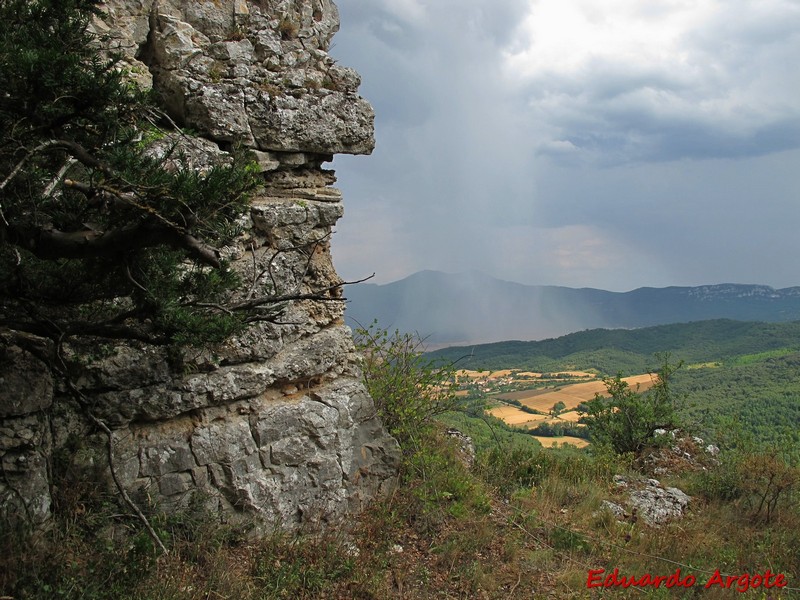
column 111, row 329
column 18, row 167
column 51, row 243
column 85, row 157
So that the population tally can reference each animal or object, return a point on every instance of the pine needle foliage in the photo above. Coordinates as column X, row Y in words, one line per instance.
column 97, row 236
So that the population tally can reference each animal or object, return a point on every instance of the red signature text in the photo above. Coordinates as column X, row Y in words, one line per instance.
column 741, row 583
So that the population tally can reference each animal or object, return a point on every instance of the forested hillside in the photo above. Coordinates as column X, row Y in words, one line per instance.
column 733, row 371
column 763, row 395
column 609, row 351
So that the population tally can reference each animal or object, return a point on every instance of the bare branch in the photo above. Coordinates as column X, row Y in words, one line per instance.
column 219, row 307
column 256, row 274
column 133, row 281
column 315, row 244
column 83, row 402
column 125, row 496
column 22, row 162
column 314, row 295
column 48, row 191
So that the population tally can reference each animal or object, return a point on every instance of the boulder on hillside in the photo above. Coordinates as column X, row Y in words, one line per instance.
column 648, row 499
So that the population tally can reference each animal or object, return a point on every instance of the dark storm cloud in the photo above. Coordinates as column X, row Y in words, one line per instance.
column 565, row 141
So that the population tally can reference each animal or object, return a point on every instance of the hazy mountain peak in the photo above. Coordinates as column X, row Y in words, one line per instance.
column 473, row 307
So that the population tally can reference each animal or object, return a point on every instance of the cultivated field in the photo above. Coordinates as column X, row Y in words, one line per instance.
column 548, row 442
column 571, row 416
column 483, row 374
column 543, row 401
column 490, row 375
column 514, row 416
column 571, row 395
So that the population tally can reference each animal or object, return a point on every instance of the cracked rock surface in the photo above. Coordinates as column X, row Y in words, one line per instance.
column 273, row 426
column 650, row 500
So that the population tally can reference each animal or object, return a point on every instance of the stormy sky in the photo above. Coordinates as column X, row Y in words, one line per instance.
column 613, row 144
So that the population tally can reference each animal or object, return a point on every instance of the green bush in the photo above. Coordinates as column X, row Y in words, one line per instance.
column 408, row 388
column 761, row 477
column 627, row 421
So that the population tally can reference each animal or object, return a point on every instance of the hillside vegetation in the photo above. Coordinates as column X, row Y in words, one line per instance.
column 631, row 351
column 746, row 372
column 507, row 520
column 763, row 395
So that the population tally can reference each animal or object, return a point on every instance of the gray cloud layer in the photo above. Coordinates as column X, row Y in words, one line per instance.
column 555, row 142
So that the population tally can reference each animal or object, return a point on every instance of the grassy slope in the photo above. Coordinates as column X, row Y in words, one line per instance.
column 522, row 523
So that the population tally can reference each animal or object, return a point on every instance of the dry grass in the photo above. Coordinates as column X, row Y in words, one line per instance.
column 445, row 533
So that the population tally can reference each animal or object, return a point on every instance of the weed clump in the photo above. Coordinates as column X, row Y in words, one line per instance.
column 288, row 28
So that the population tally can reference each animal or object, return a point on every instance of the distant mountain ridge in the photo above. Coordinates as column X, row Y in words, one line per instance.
column 472, row 307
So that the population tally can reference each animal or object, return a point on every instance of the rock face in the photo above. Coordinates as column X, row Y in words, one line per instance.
column 659, row 505
column 274, row 426
column 647, row 498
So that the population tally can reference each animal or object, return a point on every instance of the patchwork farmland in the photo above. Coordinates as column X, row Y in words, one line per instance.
column 543, row 400
column 571, row 395
column 549, row 442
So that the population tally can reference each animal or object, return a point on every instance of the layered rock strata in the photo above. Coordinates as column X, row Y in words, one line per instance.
column 274, row 426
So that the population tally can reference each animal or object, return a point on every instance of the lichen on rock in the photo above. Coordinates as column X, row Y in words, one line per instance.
column 274, row 425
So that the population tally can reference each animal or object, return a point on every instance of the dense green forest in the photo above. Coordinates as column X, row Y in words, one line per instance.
column 631, row 351
column 764, row 396
column 733, row 371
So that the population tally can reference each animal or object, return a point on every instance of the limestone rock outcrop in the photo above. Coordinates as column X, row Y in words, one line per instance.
column 648, row 499
column 275, row 425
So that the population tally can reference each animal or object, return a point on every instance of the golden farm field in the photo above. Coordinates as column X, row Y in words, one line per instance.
column 571, row 416
column 515, row 417
column 549, row 442
column 519, row 418
column 571, row 395
column 468, row 374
